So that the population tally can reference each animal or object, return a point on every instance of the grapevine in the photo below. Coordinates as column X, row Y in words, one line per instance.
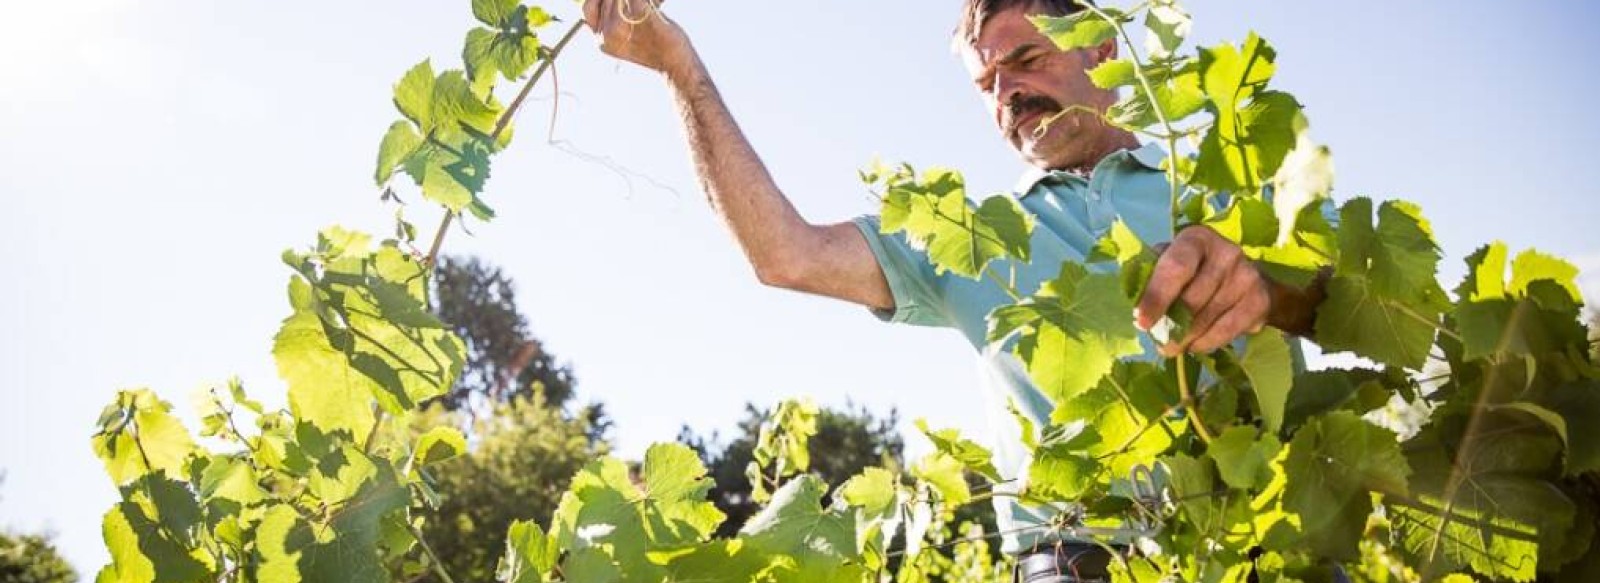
column 1229, row 466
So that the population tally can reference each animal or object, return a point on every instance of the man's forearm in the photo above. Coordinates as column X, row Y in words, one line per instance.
column 735, row 180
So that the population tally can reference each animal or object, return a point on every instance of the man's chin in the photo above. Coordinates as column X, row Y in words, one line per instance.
column 1040, row 155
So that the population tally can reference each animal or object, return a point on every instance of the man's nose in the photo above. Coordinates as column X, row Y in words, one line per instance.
column 1007, row 89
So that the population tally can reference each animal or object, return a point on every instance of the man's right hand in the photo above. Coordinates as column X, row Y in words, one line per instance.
column 637, row 31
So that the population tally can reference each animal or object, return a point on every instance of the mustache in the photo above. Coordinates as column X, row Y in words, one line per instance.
column 1024, row 105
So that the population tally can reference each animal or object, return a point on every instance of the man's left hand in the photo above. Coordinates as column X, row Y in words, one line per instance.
column 1223, row 289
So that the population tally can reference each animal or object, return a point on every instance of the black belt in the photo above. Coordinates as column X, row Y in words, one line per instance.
column 1064, row 562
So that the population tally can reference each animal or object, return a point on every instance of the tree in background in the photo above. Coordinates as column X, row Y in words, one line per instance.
column 524, row 453
column 29, row 558
column 504, row 360
column 846, row 442
column 513, row 401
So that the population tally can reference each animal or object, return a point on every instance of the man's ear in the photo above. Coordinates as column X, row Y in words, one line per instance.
column 1105, row 52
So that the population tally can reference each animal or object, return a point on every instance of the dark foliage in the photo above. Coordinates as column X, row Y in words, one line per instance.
column 524, row 454
column 504, row 360
column 846, row 442
column 30, row 558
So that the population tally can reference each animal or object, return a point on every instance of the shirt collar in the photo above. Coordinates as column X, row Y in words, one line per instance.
column 1149, row 155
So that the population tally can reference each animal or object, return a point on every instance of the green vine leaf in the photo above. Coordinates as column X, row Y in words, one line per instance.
column 1243, row 461
column 1194, row 485
column 1269, row 364
column 1254, row 129
column 1487, row 509
column 436, row 445
column 1536, row 314
column 1166, row 26
column 530, row 554
column 1383, row 302
column 1079, row 30
column 945, row 474
column 974, row 457
column 1126, row 413
column 1062, row 472
column 143, row 550
column 361, row 331
column 509, row 46
column 1072, row 331
column 1333, row 464
column 820, row 542
column 1575, row 405
column 139, row 437
column 399, row 143
column 448, row 153
column 935, row 215
column 344, row 543
column 721, row 560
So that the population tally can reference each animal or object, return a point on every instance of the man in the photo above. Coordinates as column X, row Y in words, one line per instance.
column 1083, row 176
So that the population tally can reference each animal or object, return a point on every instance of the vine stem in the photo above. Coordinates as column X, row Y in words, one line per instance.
column 1150, row 93
column 1170, row 135
column 1189, row 403
column 505, row 122
column 1404, row 309
column 377, row 424
column 438, row 566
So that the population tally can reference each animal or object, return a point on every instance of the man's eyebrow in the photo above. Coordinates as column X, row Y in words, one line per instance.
column 1013, row 56
column 1016, row 54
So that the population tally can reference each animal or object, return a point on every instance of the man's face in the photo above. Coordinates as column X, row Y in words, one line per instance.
column 1024, row 80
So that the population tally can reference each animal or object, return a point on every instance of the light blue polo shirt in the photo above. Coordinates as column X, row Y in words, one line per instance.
column 1071, row 214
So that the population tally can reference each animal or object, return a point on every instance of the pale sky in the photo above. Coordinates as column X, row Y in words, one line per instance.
column 156, row 157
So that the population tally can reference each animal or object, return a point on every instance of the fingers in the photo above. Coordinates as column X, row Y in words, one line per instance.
column 1214, row 279
column 1241, row 281
column 1177, row 266
column 1245, row 318
column 1216, row 269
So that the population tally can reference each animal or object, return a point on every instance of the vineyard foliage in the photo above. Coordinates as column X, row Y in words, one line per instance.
column 1229, row 466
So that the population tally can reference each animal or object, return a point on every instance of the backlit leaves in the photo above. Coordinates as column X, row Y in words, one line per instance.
column 530, row 554
column 361, row 332
column 1383, row 302
column 975, row 457
column 1254, row 129
column 139, row 436
column 820, row 541
column 1478, row 501
column 1534, row 314
column 935, row 215
column 507, row 43
column 605, row 509
column 446, row 146
column 1080, row 30
column 1270, row 367
column 1499, row 481
column 1334, row 463
column 1071, row 332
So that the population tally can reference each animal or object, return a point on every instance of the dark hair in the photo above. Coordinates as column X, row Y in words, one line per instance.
column 976, row 13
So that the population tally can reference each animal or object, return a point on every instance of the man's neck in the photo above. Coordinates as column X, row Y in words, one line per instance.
column 1113, row 142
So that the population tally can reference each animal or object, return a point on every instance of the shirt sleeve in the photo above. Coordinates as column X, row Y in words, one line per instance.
column 918, row 296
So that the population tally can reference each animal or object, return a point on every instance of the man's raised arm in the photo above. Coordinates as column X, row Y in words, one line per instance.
column 785, row 250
